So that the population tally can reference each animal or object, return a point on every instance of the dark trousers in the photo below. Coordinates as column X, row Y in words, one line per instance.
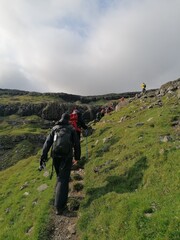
column 63, row 168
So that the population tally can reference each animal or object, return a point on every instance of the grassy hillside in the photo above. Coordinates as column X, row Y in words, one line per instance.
column 19, row 138
column 24, row 210
column 131, row 178
column 6, row 99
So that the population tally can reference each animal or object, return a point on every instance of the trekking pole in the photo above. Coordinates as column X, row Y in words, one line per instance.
column 51, row 175
column 86, row 148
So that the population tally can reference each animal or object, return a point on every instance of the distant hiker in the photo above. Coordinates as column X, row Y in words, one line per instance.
column 77, row 122
column 143, row 86
column 103, row 112
column 100, row 113
column 109, row 109
column 64, row 140
column 98, row 116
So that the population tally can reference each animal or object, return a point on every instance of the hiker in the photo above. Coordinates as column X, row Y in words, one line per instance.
column 98, row 116
column 109, row 109
column 77, row 122
column 100, row 113
column 64, row 144
column 143, row 86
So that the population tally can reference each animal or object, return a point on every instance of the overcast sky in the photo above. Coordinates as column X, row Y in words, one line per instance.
column 88, row 47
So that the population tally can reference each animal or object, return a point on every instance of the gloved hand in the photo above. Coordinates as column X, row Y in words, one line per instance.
column 42, row 164
column 74, row 162
column 86, row 132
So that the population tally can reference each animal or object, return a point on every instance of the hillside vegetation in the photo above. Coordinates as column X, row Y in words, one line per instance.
column 131, row 183
column 132, row 176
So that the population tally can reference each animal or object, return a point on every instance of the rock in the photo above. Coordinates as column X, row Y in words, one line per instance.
column 26, row 194
column 175, row 123
column 148, row 215
column 46, row 174
column 122, row 119
column 7, row 210
column 29, row 230
column 24, row 186
column 72, row 229
column 161, row 151
column 150, row 119
column 105, row 140
column 139, row 124
column 96, row 169
column 170, row 86
column 42, row 187
column 166, row 138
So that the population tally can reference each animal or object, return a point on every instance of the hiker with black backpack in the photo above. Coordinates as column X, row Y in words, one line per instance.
column 65, row 145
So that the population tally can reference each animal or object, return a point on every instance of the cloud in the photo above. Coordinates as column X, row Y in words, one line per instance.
column 14, row 77
column 88, row 47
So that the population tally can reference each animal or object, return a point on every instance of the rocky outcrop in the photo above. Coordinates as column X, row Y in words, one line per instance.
column 53, row 110
column 48, row 111
column 169, row 87
column 70, row 98
column 14, row 148
column 21, row 109
column 172, row 87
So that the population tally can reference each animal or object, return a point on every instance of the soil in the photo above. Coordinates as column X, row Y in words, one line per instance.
column 64, row 226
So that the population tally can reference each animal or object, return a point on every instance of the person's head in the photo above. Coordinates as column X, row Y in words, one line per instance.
column 64, row 118
column 75, row 111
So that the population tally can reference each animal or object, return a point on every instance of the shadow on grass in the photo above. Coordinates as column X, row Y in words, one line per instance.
column 128, row 182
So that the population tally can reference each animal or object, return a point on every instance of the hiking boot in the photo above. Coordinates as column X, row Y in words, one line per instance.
column 59, row 211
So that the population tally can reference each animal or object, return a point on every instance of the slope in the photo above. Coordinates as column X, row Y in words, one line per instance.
column 132, row 176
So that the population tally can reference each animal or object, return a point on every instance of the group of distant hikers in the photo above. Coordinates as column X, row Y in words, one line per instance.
column 103, row 111
column 64, row 142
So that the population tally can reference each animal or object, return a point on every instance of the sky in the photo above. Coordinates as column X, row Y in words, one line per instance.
column 88, row 47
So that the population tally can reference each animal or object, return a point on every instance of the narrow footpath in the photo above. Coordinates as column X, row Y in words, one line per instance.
column 64, row 226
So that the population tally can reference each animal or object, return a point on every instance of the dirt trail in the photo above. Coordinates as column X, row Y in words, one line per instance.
column 64, row 226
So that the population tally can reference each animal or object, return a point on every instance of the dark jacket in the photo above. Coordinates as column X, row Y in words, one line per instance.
column 64, row 121
column 81, row 122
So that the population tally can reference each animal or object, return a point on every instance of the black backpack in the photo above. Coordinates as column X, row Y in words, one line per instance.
column 62, row 144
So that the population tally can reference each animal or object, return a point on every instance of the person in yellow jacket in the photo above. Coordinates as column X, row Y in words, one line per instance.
column 143, row 86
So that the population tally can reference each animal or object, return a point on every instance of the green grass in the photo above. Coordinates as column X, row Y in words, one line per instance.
column 24, row 217
column 19, row 138
column 131, row 177
column 15, row 125
column 135, row 194
column 6, row 99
